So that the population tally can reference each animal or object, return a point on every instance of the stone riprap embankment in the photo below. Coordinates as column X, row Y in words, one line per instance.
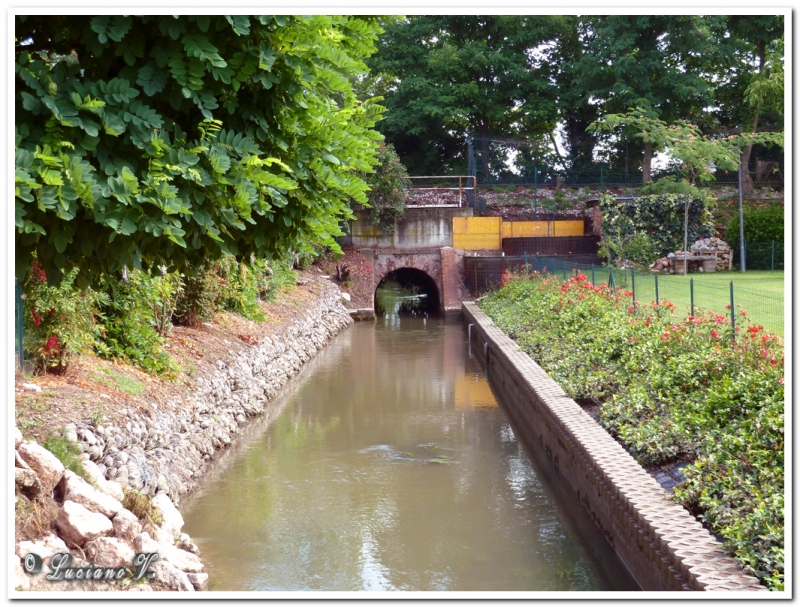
column 165, row 449
column 98, row 532
column 161, row 450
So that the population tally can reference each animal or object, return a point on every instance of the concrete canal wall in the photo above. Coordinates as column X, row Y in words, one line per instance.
column 663, row 545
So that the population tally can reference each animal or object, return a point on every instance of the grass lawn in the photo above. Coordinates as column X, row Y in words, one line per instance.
column 759, row 292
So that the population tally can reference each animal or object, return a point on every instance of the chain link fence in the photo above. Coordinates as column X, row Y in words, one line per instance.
column 760, row 255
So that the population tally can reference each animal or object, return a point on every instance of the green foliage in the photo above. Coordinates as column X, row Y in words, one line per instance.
column 697, row 152
column 138, row 305
column 447, row 76
column 165, row 140
column 763, row 223
column 242, row 286
column 637, row 247
column 59, row 321
column 659, row 216
column 281, row 278
column 67, row 452
column 671, row 388
column 387, row 186
column 198, row 300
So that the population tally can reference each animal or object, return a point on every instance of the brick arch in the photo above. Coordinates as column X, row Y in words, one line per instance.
column 429, row 262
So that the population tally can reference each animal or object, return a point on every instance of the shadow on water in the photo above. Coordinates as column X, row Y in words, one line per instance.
column 407, row 292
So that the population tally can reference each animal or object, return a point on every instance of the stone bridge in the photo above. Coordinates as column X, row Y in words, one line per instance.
column 422, row 242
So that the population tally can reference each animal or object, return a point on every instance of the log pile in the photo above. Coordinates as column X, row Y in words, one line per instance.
column 698, row 258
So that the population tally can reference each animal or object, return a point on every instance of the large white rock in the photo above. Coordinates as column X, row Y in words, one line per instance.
column 172, row 522
column 144, row 543
column 79, row 525
column 26, row 481
column 198, row 580
column 106, row 486
column 109, row 552
column 172, row 577
column 79, row 491
column 44, row 547
column 46, row 465
column 126, row 524
column 183, row 560
column 17, row 437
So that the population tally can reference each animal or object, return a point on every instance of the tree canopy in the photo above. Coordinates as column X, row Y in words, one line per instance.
column 446, row 78
column 166, row 140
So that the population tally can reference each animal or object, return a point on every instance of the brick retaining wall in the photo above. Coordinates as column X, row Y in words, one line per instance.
column 663, row 545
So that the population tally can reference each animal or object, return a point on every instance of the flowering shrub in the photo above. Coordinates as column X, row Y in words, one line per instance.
column 671, row 389
column 60, row 321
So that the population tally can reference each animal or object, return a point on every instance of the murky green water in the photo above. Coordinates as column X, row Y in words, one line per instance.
column 390, row 467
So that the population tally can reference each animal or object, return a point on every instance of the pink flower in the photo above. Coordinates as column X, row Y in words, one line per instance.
column 714, row 334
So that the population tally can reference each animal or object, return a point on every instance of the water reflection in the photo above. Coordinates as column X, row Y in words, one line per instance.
column 390, row 468
column 392, row 300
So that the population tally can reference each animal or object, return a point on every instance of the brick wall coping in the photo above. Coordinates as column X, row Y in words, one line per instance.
column 693, row 555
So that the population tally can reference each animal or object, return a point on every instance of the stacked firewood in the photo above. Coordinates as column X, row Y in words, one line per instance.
column 703, row 248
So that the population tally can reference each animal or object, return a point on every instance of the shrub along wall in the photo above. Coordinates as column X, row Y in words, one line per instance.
column 671, row 389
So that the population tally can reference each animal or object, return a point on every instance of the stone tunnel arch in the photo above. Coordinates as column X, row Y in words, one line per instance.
column 408, row 277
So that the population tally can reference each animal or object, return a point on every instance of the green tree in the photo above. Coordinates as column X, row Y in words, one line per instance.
column 143, row 141
column 447, row 77
column 657, row 63
column 750, row 87
column 387, row 189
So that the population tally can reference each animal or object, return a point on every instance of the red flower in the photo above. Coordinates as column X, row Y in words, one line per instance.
column 630, row 309
column 744, row 313
column 41, row 275
column 727, row 306
column 37, row 320
column 772, row 361
column 665, row 336
column 580, row 277
column 714, row 334
column 647, row 322
column 52, row 344
column 627, row 293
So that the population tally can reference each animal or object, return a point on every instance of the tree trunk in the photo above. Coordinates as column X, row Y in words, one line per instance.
column 647, row 160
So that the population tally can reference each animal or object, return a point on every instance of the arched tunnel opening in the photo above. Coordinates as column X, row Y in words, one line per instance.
column 407, row 291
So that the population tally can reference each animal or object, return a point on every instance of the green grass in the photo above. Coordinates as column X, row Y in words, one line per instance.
column 759, row 293
column 120, row 382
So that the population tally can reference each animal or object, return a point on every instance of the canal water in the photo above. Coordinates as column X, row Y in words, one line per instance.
column 390, row 466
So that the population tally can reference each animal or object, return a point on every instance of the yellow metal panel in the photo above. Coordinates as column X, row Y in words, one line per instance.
column 525, row 229
column 477, row 232
column 568, row 228
column 473, row 242
column 461, row 225
column 484, row 225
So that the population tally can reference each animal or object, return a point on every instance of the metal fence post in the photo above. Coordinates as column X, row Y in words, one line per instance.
column 733, row 313
column 535, row 184
column 655, row 276
column 611, row 279
column 691, row 293
column 564, row 271
column 633, row 289
column 772, row 265
column 525, row 257
column 593, row 283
